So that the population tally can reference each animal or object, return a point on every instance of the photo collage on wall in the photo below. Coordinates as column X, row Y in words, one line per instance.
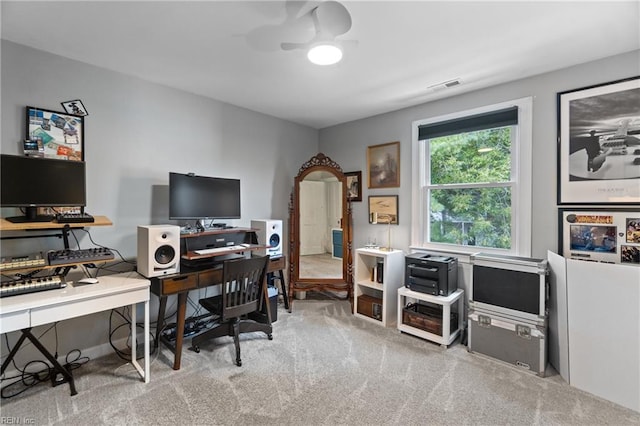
column 601, row 236
column 55, row 134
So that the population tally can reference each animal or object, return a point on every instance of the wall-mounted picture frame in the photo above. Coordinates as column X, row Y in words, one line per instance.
column 383, row 165
column 61, row 134
column 383, row 209
column 599, row 144
column 608, row 235
column 354, row 186
column 75, row 107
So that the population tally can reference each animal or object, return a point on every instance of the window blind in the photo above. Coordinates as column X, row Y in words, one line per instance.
column 489, row 120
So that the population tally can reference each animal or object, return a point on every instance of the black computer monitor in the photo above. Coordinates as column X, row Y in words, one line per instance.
column 203, row 197
column 32, row 182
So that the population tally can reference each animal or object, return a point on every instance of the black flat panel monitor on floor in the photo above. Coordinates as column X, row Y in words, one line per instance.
column 32, row 182
column 203, row 197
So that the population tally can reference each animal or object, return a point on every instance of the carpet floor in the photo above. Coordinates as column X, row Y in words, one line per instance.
column 323, row 367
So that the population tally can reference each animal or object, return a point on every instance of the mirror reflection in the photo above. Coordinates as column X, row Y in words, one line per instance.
column 320, row 226
column 320, row 231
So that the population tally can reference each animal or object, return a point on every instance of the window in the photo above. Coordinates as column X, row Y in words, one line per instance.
column 472, row 180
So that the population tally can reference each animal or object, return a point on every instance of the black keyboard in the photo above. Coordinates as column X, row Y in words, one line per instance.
column 74, row 218
column 31, row 285
column 62, row 257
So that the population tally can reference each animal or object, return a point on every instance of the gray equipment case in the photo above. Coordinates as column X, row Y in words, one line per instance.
column 508, row 310
column 517, row 341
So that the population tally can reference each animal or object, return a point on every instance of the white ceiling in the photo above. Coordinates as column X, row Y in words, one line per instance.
column 230, row 50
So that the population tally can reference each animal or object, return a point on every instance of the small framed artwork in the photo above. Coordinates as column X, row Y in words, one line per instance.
column 75, row 107
column 383, row 163
column 354, row 186
column 607, row 235
column 599, row 144
column 383, row 209
column 62, row 135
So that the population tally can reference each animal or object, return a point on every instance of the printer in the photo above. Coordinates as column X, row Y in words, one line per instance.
column 436, row 275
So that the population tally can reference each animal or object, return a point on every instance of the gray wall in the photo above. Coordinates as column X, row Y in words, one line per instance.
column 137, row 132
column 347, row 144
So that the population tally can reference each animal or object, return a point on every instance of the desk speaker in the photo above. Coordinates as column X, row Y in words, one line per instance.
column 269, row 233
column 158, row 250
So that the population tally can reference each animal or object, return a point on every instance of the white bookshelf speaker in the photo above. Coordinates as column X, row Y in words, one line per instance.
column 269, row 233
column 158, row 250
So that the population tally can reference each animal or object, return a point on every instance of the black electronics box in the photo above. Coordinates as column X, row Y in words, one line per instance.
column 436, row 275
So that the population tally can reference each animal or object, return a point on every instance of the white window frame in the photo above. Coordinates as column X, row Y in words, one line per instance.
column 521, row 171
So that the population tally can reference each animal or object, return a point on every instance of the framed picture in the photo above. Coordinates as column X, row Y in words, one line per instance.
column 75, row 107
column 383, row 209
column 609, row 235
column 599, row 144
column 383, row 163
column 354, row 186
column 61, row 134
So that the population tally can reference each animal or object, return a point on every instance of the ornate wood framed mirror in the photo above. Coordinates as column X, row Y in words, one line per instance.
column 320, row 227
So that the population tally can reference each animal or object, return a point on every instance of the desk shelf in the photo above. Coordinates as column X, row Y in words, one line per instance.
column 189, row 243
column 5, row 225
column 63, row 228
column 448, row 335
column 191, row 255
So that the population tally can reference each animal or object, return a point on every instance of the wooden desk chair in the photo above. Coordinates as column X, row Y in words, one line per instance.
column 243, row 290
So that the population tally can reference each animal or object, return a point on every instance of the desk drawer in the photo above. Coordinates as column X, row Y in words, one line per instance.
column 211, row 277
column 14, row 321
column 179, row 284
column 276, row 264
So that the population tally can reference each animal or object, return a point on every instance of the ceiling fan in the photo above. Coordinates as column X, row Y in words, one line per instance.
column 330, row 20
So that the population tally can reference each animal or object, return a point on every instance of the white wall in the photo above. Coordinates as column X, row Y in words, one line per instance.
column 347, row 144
column 137, row 132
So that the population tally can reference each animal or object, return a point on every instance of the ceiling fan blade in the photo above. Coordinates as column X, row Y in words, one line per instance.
column 293, row 46
column 332, row 18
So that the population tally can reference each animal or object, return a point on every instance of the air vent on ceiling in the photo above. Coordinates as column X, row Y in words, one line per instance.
column 445, row 84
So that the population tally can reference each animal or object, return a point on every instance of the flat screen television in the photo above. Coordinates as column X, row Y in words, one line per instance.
column 203, row 197
column 32, row 182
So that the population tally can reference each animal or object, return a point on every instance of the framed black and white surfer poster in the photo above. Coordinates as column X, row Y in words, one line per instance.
column 599, row 144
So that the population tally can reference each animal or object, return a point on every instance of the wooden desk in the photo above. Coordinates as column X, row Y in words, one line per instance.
column 112, row 291
column 181, row 284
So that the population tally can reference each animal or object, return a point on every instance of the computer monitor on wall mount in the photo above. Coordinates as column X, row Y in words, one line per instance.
column 32, row 182
column 202, row 198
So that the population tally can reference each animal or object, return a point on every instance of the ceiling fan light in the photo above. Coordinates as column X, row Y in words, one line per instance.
column 325, row 54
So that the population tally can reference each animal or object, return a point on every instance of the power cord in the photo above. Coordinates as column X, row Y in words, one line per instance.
column 28, row 379
column 122, row 354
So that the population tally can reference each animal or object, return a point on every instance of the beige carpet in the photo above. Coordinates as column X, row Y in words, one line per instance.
column 320, row 266
column 323, row 367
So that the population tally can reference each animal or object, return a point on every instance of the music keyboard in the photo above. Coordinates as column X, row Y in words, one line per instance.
column 219, row 250
column 74, row 218
column 31, row 285
column 34, row 260
column 61, row 257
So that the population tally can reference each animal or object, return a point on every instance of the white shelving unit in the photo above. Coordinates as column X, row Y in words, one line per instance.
column 366, row 260
column 448, row 336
